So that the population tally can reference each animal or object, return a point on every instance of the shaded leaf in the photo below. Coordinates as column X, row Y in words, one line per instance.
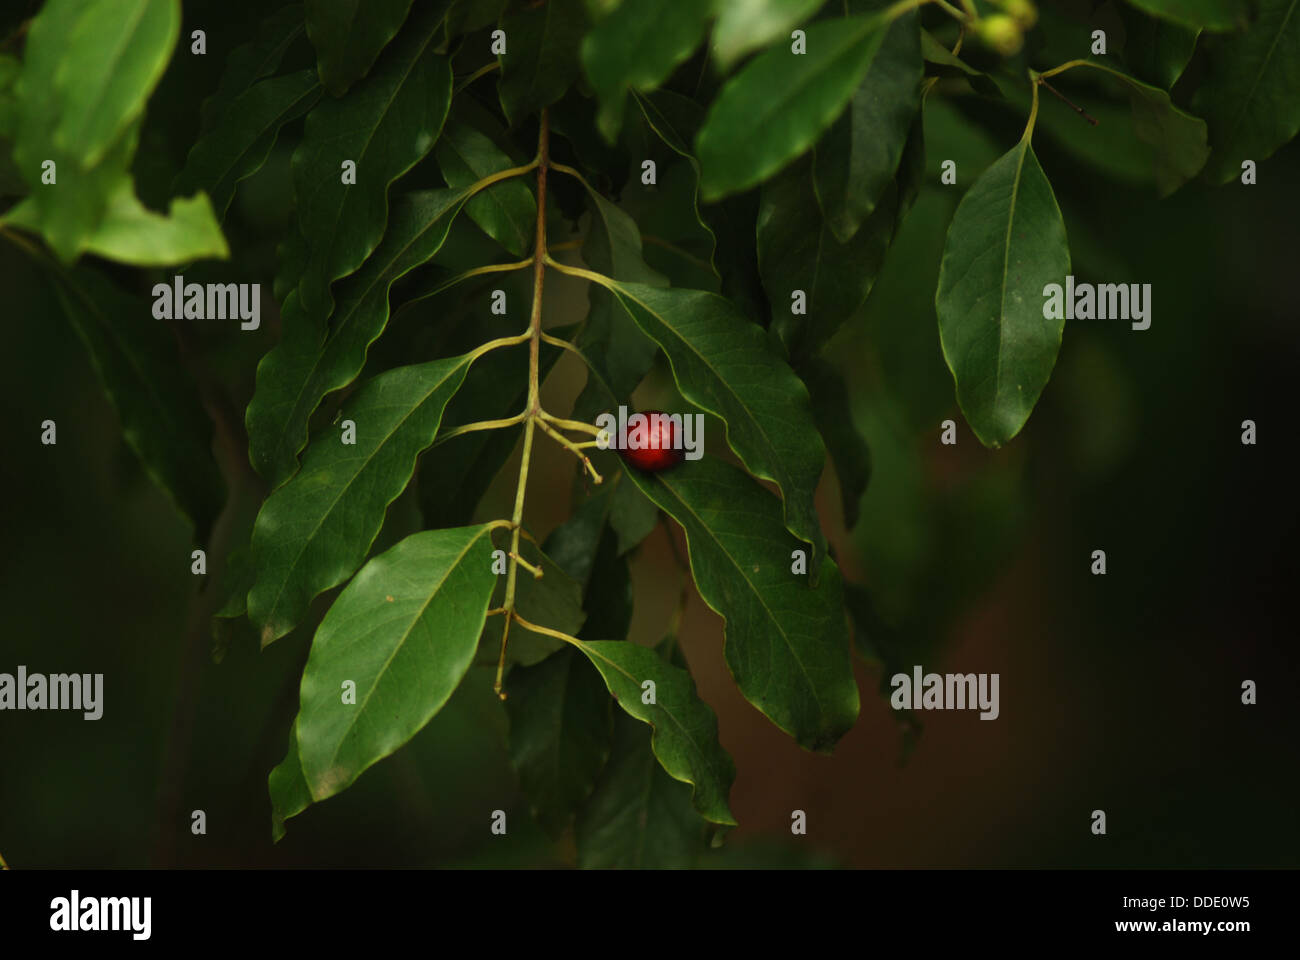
column 1156, row 51
column 725, row 365
column 631, row 515
column 1250, row 95
column 1198, row 14
column 787, row 644
column 856, row 158
column 685, row 738
column 1005, row 243
column 384, row 125
column 349, row 36
column 559, row 734
column 797, row 250
column 250, row 62
column 162, row 418
column 238, row 143
column 635, row 47
column 638, row 816
column 404, row 631
column 313, row 532
column 506, row 211
column 833, row 412
column 779, row 104
column 290, row 794
column 541, row 61
column 941, row 62
column 745, row 25
column 300, row 371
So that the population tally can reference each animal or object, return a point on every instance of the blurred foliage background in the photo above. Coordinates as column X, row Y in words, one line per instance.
column 1119, row 692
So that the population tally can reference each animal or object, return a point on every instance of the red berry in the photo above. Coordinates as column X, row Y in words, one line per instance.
column 658, row 452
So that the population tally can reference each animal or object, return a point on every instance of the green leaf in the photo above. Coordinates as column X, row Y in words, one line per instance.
column 786, row 644
column 130, row 233
column 238, row 143
column 1198, row 14
column 632, row 516
column 1177, row 139
column 559, row 734
column 725, row 365
column 638, row 817
column 745, row 25
column 1156, row 51
column 296, row 375
column 252, row 61
column 833, row 411
column 941, row 62
column 636, row 47
column 113, row 54
column 541, row 61
column 404, row 631
column 384, row 125
column 162, row 417
column 857, row 157
column 554, row 599
column 1250, row 95
column 685, row 738
column 349, row 36
column 1005, row 243
column 290, row 794
column 797, row 250
column 313, row 532
column 506, row 211
column 778, row 105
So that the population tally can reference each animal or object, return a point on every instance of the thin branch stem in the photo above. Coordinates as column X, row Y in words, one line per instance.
column 577, row 425
column 1068, row 102
column 535, row 571
column 563, row 344
column 480, row 425
column 544, row 631
column 569, row 445
column 541, row 163
column 480, row 72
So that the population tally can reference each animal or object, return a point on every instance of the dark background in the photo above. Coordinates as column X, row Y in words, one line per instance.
column 1119, row 692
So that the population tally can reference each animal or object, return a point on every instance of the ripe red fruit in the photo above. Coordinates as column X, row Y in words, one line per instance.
column 659, row 452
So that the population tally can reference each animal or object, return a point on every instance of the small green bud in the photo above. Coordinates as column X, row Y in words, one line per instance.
column 1002, row 33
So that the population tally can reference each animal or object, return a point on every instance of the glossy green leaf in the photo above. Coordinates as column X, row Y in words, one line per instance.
column 312, row 533
column 240, row 140
column 638, row 817
column 632, row 516
column 1006, row 242
column 250, row 62
column 349, row 35
column 162, row 417
column 541, row 61
column 778, row 105
column 559, row 734
column 745, row 25
column 1250, row 95
column 856, row 158
column 573, row 544
column 797, row 250
column 636, row 47
column 384, row 125
column 404, row 632
column 1177, row 139
column 725, row 365
column 685, row 738
column 833, row 412
column 114, row 53
column 506, row 211
column 290, row 794
column 130, row 233
column 1198, row 14
column 787, row 644
column 1156, row 51
column 296, row 375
